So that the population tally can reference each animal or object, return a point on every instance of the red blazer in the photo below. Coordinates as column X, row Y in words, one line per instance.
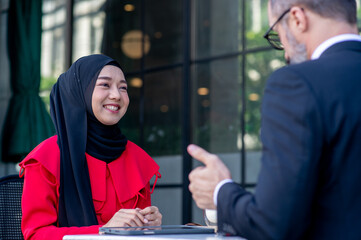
column 123, row 183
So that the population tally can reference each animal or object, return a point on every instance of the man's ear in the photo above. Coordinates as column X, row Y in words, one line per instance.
column 298, row 20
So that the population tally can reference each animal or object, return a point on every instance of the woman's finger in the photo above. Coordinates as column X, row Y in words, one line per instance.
column 134, row 211
column 154, row 219
column 149, row 210
column 132, row 217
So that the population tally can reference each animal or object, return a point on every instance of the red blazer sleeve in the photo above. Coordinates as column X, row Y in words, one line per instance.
column 39, row 206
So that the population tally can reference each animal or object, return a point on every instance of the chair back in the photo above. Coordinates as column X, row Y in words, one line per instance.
column 11, row 189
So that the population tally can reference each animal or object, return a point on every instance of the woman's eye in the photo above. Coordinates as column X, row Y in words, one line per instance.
column 104, row 84
column 124, row 88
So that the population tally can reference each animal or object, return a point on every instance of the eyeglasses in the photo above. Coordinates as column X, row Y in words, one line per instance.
column 272, row 36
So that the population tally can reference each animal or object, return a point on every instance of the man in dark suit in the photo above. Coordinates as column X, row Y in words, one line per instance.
column 309, row 186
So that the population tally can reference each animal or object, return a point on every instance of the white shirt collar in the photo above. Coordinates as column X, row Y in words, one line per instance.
column 329, row 42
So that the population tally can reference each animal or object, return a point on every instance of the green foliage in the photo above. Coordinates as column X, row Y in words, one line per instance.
column 46, row 84
column 258, row 67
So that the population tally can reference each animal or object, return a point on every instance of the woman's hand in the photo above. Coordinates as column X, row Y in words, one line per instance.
column 152, row 215
column 128, row 218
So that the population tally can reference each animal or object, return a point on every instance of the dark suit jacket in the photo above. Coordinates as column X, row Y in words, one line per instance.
column 309, row 186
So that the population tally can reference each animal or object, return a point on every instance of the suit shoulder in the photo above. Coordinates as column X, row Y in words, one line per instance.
column 293, row 71
column 287, row 78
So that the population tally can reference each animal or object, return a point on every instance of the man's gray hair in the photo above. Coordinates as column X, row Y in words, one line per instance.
column 344, row 10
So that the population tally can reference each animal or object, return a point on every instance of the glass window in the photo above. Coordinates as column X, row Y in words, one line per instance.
column 111, row 27
column 256, row 23
column 130, row 124
column 258, row 68
column 216, row 99
column 162, row 112
column 217, row 28
column 89, row 23
column 164, row 29
column 170, row 169
column 172, row 207
column 53, row 45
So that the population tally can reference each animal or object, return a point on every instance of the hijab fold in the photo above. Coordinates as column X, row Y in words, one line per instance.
column 105, row 143
column 78, row 132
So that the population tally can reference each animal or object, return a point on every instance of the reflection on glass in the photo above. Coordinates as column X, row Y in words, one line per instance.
column 216, row 105
column 164, row 26
column 111, row 27
column 130, row 124
column 162, row 99
column 217, row 26
column 88, row 24
column 256, row 23
column 132, row 42
column 53, row 45
column 135, row 82
column 114, row 28
column 129, row 7
column 258, row 68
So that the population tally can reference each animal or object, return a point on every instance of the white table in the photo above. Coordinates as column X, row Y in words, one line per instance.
column 149, row 237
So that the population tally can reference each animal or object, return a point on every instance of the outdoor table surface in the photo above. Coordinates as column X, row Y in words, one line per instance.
column 149, row 237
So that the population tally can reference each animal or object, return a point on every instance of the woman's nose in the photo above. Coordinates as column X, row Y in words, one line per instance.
column 114, row 93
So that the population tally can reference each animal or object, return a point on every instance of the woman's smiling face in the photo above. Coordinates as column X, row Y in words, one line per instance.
column 110, row 97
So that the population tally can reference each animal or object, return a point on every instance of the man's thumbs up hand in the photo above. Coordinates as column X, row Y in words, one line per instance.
column 204, row 179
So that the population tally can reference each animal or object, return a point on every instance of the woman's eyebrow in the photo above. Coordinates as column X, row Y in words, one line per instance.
column 104, row 77
column 109, row 78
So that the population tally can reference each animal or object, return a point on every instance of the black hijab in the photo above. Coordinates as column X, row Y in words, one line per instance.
column 78, row 132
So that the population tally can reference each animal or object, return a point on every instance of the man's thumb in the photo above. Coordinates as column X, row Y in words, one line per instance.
column 201, row 155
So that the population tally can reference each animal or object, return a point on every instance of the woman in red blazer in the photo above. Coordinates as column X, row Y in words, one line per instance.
column 88, row 175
